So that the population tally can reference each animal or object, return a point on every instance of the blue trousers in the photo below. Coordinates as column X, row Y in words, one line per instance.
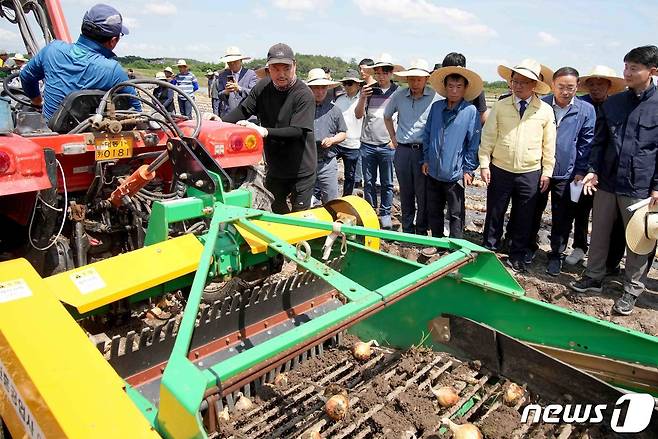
column 350, row 161
column 378, row 157
column 185, row 107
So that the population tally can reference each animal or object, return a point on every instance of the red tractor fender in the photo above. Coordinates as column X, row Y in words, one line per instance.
column 22, row 166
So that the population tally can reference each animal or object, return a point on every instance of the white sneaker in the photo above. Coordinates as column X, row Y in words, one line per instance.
column 577, row 255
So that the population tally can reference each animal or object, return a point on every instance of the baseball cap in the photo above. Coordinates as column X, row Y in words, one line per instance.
column 104, row 21
column 280, row 54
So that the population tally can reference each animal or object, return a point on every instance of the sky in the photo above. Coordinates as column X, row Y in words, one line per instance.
column 576, row 33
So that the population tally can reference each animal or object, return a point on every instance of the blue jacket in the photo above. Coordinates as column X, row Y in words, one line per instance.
column 246, row 81
column 574, row 139
column 65, row 68
column 625, row 146
column 450, row 151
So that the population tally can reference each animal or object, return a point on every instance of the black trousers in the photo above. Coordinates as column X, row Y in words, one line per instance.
column 522, row 190
column 299, row 189
column 439, row 194
column 581, row 213
column 561, row 218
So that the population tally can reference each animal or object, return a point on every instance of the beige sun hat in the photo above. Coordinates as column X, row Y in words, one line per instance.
column 319, row 77
column 475, row 84
column 617, row 84
column 528, row 68
column 169, row 70
column 160, row 75
column 419, row 67
column 181, row 62
column 261, row 72
column 384, row 60
column 642, row 230
column 19, row 57
column 547, row 75
column 233, row 53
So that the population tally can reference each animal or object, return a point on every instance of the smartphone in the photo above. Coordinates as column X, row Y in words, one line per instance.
column 376, row 90
column 230, row 78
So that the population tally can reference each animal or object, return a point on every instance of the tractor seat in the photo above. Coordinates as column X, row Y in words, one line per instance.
column 78, row 106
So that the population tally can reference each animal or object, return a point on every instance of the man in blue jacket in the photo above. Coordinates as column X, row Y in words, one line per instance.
column 450, row 146
column 87, row 64
column 575, row 121
column 623, row 169
column 234, row 83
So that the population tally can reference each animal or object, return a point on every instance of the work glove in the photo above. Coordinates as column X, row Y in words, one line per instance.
column 261, row 130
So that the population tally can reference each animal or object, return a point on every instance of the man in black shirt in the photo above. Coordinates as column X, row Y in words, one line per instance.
column 285, row 108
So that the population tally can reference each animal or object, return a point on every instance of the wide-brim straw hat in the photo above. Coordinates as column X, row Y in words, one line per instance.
column 528, row 68
column 181, row 62
column 160, row 75
column 19, row 57
column 261, row 72
column 384, row 60
column 642, row 230
column 547, row 75
column 475, row 84
column 617, row 84
column 419, row 67
column 233, row 54
column 168, row 69
column 319, row 77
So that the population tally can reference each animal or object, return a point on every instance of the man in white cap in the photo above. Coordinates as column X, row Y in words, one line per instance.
column 235, row 82
column 186, row 81
column 412, row 106
column 87, row 64
column 377, row 152
column 329, row 129
column 349, row 149
column 517, row 156
column 600, row 83
column 285, row 107
column 450, row 147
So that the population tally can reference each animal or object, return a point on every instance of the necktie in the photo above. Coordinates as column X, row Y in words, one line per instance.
column 522, row 106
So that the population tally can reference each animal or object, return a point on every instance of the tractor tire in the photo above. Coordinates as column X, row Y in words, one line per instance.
column 255, row 183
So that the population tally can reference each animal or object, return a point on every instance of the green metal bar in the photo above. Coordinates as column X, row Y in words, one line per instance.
column 165, row 213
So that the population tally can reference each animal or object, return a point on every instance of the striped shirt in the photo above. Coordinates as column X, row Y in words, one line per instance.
column 187, row 82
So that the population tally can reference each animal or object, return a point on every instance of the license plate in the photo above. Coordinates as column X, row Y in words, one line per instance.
column 113, row 148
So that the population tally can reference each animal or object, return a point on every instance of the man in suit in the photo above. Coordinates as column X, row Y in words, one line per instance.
column 235, row 82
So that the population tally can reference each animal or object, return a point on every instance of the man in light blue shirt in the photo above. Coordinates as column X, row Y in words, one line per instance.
column 412, row 106
column 186, row 81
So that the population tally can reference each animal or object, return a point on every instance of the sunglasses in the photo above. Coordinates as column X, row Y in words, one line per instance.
column 349, row 83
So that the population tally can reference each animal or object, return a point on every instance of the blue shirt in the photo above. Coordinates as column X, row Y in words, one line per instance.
column 186, row 82
column 450, row 148
column 328, row 122
column 412, row 113
column 65, row 68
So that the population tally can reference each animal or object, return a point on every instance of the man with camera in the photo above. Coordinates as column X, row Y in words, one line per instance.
column 235, row 82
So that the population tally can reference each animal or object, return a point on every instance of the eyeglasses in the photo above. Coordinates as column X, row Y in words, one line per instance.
column 521, row 83
column 569, row 89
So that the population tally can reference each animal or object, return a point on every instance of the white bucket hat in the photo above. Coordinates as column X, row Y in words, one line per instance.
column 528, row 68
column 319, row 77
column 642, row 230
column 384, row 60
column 475, row 84
column 617, row 84
column 419, row 67
column 233, row 53
column 181, row 62
column 160, row 75
column 19, row 57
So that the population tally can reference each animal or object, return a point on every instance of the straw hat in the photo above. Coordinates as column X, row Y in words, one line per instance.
column 528, row 68
column 181, row 62
column 160, row 75
column 169, row 70
column 642, row 230
column 209, row 72
column 617, row 84
column 352, row 75
column 19, row 57
column 233, row 54
column 384, row 60
column 475, row 84
column 319, row 77
column 419, row 67
column 261, row 72
column 547, row 74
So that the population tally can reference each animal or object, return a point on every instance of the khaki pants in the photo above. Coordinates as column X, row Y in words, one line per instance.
column 604, row 214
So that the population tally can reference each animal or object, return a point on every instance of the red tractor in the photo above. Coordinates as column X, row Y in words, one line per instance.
column 80, row 188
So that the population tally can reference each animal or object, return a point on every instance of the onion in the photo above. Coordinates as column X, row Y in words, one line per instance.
column 513, row 393
column 336, row 407
column 363, row 350
column 223, row 415
column 447, row 396
column 243, row 403
column 464, row 431
column 281, row 379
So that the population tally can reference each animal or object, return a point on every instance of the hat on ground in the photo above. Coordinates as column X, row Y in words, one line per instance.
column 351, row 75
column 281, row 53
column 181, row 62
column 419, row 67
column 528, row 68
column 475, row 84
column 160, row 75
column 169, row 70
column 233, row 53
column 19, row 57
column 105, row 21
column 642, row 230
column 384, row 60
column 617, row 84
column 319, row 77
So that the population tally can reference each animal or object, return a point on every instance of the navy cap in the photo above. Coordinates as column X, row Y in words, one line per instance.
column 104, row 21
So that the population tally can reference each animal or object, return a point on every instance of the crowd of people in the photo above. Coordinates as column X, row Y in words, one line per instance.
column 431, row 129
